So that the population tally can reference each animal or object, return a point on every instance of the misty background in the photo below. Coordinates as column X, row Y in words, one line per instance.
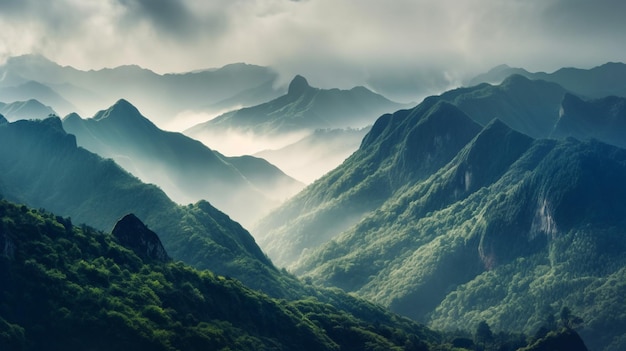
column 404, row 49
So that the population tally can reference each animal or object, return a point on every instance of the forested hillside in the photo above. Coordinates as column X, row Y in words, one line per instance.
column 451, row 220
column 75, row 288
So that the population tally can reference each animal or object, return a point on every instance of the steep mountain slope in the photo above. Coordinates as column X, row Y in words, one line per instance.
column 431, row 135
column 25, row 110
column 69, row 288
column 529, row 106
column 602, row 119
column 317, row 154
column 451, row 224
column 542, row 109
column 597, row 82
column 501, row 234
column 186, row 170
column 302, row 108
column 161, row 97
column 43, row 167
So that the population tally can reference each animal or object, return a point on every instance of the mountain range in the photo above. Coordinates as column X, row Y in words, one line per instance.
column 598, row 82
column 287, row 123
column 450, row 215
column 25, row 110
column 44, row 168
column 184, row 168
column 493, row 206
column 161, row 96
column 302, row 108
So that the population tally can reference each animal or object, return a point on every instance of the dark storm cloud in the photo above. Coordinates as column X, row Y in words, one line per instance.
column 167, row 16
column 333, row 43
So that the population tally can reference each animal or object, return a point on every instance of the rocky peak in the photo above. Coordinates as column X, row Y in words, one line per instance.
column 133, row 234
column 298, row 85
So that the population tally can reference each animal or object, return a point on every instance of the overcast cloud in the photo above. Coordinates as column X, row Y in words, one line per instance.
column 332, row 42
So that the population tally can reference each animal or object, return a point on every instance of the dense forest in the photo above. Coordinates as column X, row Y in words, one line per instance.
column 64, row 287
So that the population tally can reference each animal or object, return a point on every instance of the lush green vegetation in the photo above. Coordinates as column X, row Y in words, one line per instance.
column 74, row 288
column 43, row 168
column 433, row 131
column 454, row 229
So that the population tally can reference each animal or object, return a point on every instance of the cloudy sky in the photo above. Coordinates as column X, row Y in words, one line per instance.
column 332, row 42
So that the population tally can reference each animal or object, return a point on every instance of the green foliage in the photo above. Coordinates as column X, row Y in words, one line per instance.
column 501, row 234
column 71, row 288
column 42, row 167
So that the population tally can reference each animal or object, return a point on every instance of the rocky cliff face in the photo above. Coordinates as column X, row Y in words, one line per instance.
column 133, row 234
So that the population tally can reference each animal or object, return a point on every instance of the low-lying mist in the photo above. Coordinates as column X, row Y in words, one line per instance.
column 237, row 143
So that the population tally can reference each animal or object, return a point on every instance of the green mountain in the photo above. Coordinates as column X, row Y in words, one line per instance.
column 529, row 106
column 431, row 135
column 161, row 97
column 25, row 110
column 43, row 168
column 452, row 225
column 603, row 119
column 597, row 82
column 184, row 168
column 542, row 109
column 302, row 108
column 74, row 288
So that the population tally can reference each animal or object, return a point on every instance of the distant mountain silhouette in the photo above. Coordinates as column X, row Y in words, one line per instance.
column 162, row 97
column 315, row 155
column 31, row 109
column 597, row 82
column 186, row 169
column 302, row 108
column 33, row 90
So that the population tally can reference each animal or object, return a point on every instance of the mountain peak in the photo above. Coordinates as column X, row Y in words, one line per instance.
column 72, row 117
column 298, row 85
column 122, row 110
column 134, row 235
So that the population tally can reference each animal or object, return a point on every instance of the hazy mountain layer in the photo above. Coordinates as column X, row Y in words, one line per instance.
column 32, row 89
column 161, row 97
column 317, row 154
column 25, row 110
column 184, row 168
column 68, row 288
column 302, row 108
column 43, row 167
column 597, row 82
